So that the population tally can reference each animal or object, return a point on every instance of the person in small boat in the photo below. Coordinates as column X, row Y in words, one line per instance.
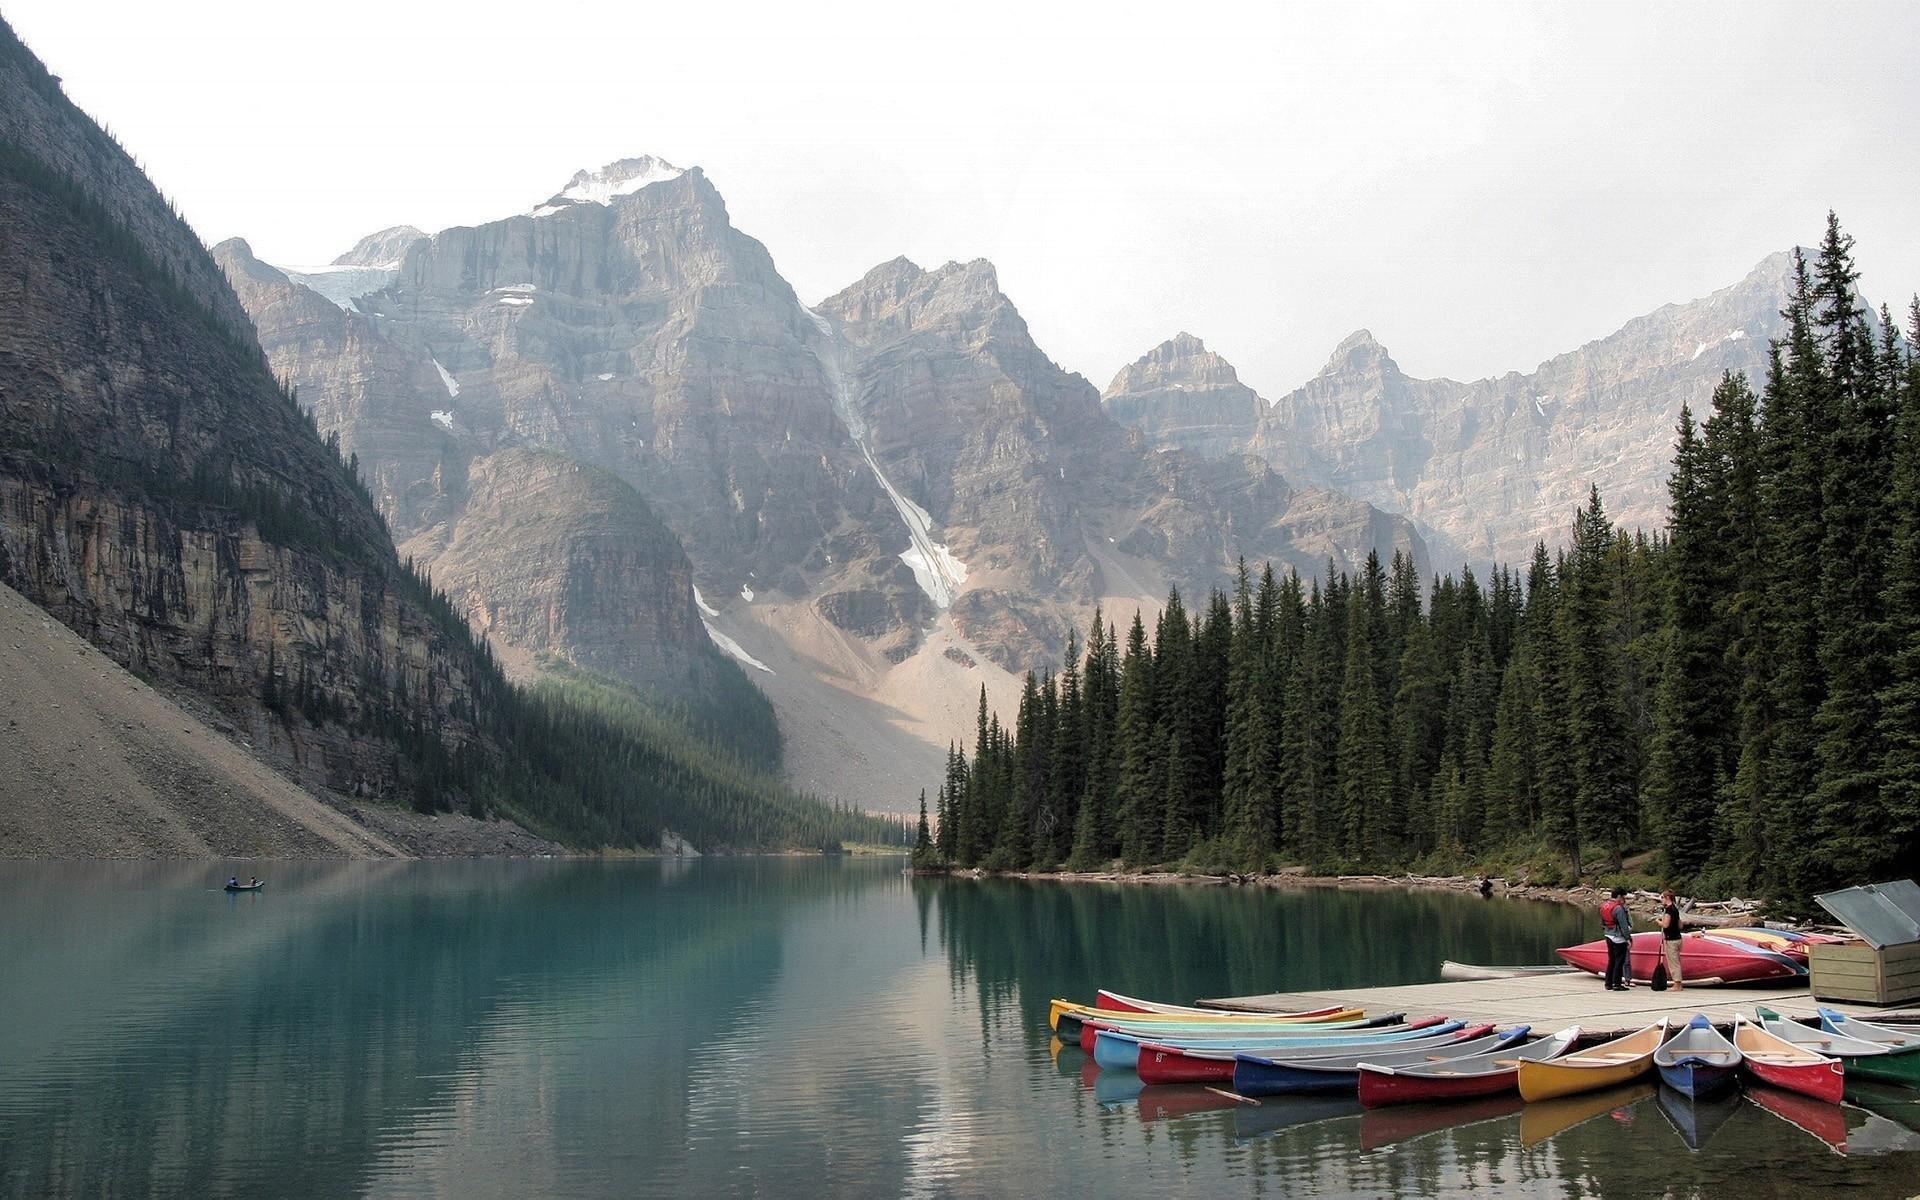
column 254, row 881
column 1670, row 938
column 233, row 881
column 1616, row 926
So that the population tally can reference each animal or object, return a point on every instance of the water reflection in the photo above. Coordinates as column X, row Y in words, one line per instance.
column 761, row 1027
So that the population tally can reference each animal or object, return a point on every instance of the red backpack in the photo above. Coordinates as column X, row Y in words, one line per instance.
column 1607, row 914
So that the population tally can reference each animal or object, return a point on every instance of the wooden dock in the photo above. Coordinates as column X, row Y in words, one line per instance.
column 1553, row 1002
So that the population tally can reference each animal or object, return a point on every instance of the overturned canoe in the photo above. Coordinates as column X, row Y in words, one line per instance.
column 1090, row 1028
column 1701, row 958
column 1605, row 1065
column 1453, row 972
column 1480, row 1075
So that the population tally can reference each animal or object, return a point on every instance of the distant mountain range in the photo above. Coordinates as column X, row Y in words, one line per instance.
column 1487, row 468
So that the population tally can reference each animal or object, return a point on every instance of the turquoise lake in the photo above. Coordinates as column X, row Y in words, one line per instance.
column 773, row 1027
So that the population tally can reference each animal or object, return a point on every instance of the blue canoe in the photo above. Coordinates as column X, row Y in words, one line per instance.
column 1698, row 1062
column 1121, row 1052
column 1259, row 1075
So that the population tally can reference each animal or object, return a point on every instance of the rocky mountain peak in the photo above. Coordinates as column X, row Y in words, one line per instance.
column 235, row 255
column 1358, row 351
column 622, row 177
column 1182, row 363
column 382, row 250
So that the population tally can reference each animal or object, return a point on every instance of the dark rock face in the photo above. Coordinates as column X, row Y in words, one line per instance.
column 1182, row 395
column 544, row 554
column 160, row 496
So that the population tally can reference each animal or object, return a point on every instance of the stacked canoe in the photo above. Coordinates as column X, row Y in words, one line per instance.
column 1390, row 1059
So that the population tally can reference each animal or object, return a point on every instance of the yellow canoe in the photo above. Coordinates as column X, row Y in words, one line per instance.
column 1225, row 1019
column 1618, row 1061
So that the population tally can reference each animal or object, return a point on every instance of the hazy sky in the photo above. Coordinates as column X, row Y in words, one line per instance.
column 1480, row 188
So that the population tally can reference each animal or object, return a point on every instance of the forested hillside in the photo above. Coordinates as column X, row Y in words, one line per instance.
column 1739, row 691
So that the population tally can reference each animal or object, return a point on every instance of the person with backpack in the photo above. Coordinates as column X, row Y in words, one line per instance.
column 1616, row 926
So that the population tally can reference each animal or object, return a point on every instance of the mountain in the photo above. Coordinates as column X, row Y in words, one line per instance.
column 1180, row 394
column 369, row 266
column 1486, row 468
column 166, row 498
column 886, row 502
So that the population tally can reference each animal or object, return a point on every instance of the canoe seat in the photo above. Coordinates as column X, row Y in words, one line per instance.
column 1777, row 1056
column 1612, row 1058
column 1507, row 1062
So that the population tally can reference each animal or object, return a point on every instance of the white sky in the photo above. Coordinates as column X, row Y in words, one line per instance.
column 1481, row 187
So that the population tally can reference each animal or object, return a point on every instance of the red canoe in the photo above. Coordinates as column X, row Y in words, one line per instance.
column 1701, row 958
column 1783, row 1064
column 1458, row 1078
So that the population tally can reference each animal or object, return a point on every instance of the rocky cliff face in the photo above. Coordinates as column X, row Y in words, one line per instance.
column 160, row 496
column 1035, row 487
column 1495, row 465
column 545, row 555
column 1182, row 395
column 371, row 265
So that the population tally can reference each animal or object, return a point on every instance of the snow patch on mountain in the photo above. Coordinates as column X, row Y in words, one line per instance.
column 701, row 601
column 735, row 649
column 443, row 417
column 621, row 178
column 446, row 377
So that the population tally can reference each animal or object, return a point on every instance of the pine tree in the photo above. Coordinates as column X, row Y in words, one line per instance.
column 1688, row 762
column 1139, row 791
column 1364, row 782
column 1899, row 701
column 1603, row 788
column 922, row 835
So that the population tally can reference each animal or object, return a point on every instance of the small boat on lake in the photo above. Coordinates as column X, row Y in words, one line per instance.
column 1453, row 972
column 1115, row 1002
column 1116, row 1050
column 1161, row 1063
column 1698, row 1062
column 1773, row 1059
column 1067, row 1012
column 1886, row 1061
column 1701, row 958
column 1279, row 1075
column 1091, row 1028
column 1605, row 1065
column 255, row 886
column 1453, row 1079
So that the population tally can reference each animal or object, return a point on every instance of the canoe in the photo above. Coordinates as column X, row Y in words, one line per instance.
column 1065, row 1010
column 1115, row 1002
column 1700, row 958
column 1068, row 1025
column 1618, row 1061
column 1163, row 1063
column 1261, row 1075
column 246, row 887
column 1550, row 1118
column 1237, row 1034
column 1767, row 939
column 1899, row 1061
column 1454, row 1079
column 1453, row 972
column 1697, row 1119
column 1784, row 1064
column 1698, row 1062
column 1863, row 1059
column 1113, row 1050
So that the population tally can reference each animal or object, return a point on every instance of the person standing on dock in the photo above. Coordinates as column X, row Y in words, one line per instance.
column 1670, row 937
column 1616, row 926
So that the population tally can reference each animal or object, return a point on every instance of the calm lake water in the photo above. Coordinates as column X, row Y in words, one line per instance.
column 764, row 1026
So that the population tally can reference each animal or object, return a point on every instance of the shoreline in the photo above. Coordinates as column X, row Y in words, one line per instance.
column 1718, row 912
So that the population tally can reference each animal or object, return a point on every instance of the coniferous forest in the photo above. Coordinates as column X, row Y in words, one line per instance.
column 1738, row 693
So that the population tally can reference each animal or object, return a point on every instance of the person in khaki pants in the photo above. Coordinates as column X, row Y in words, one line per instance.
column 1670, row 938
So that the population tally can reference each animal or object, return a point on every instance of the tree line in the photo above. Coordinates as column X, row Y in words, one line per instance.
column 1739, row 692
